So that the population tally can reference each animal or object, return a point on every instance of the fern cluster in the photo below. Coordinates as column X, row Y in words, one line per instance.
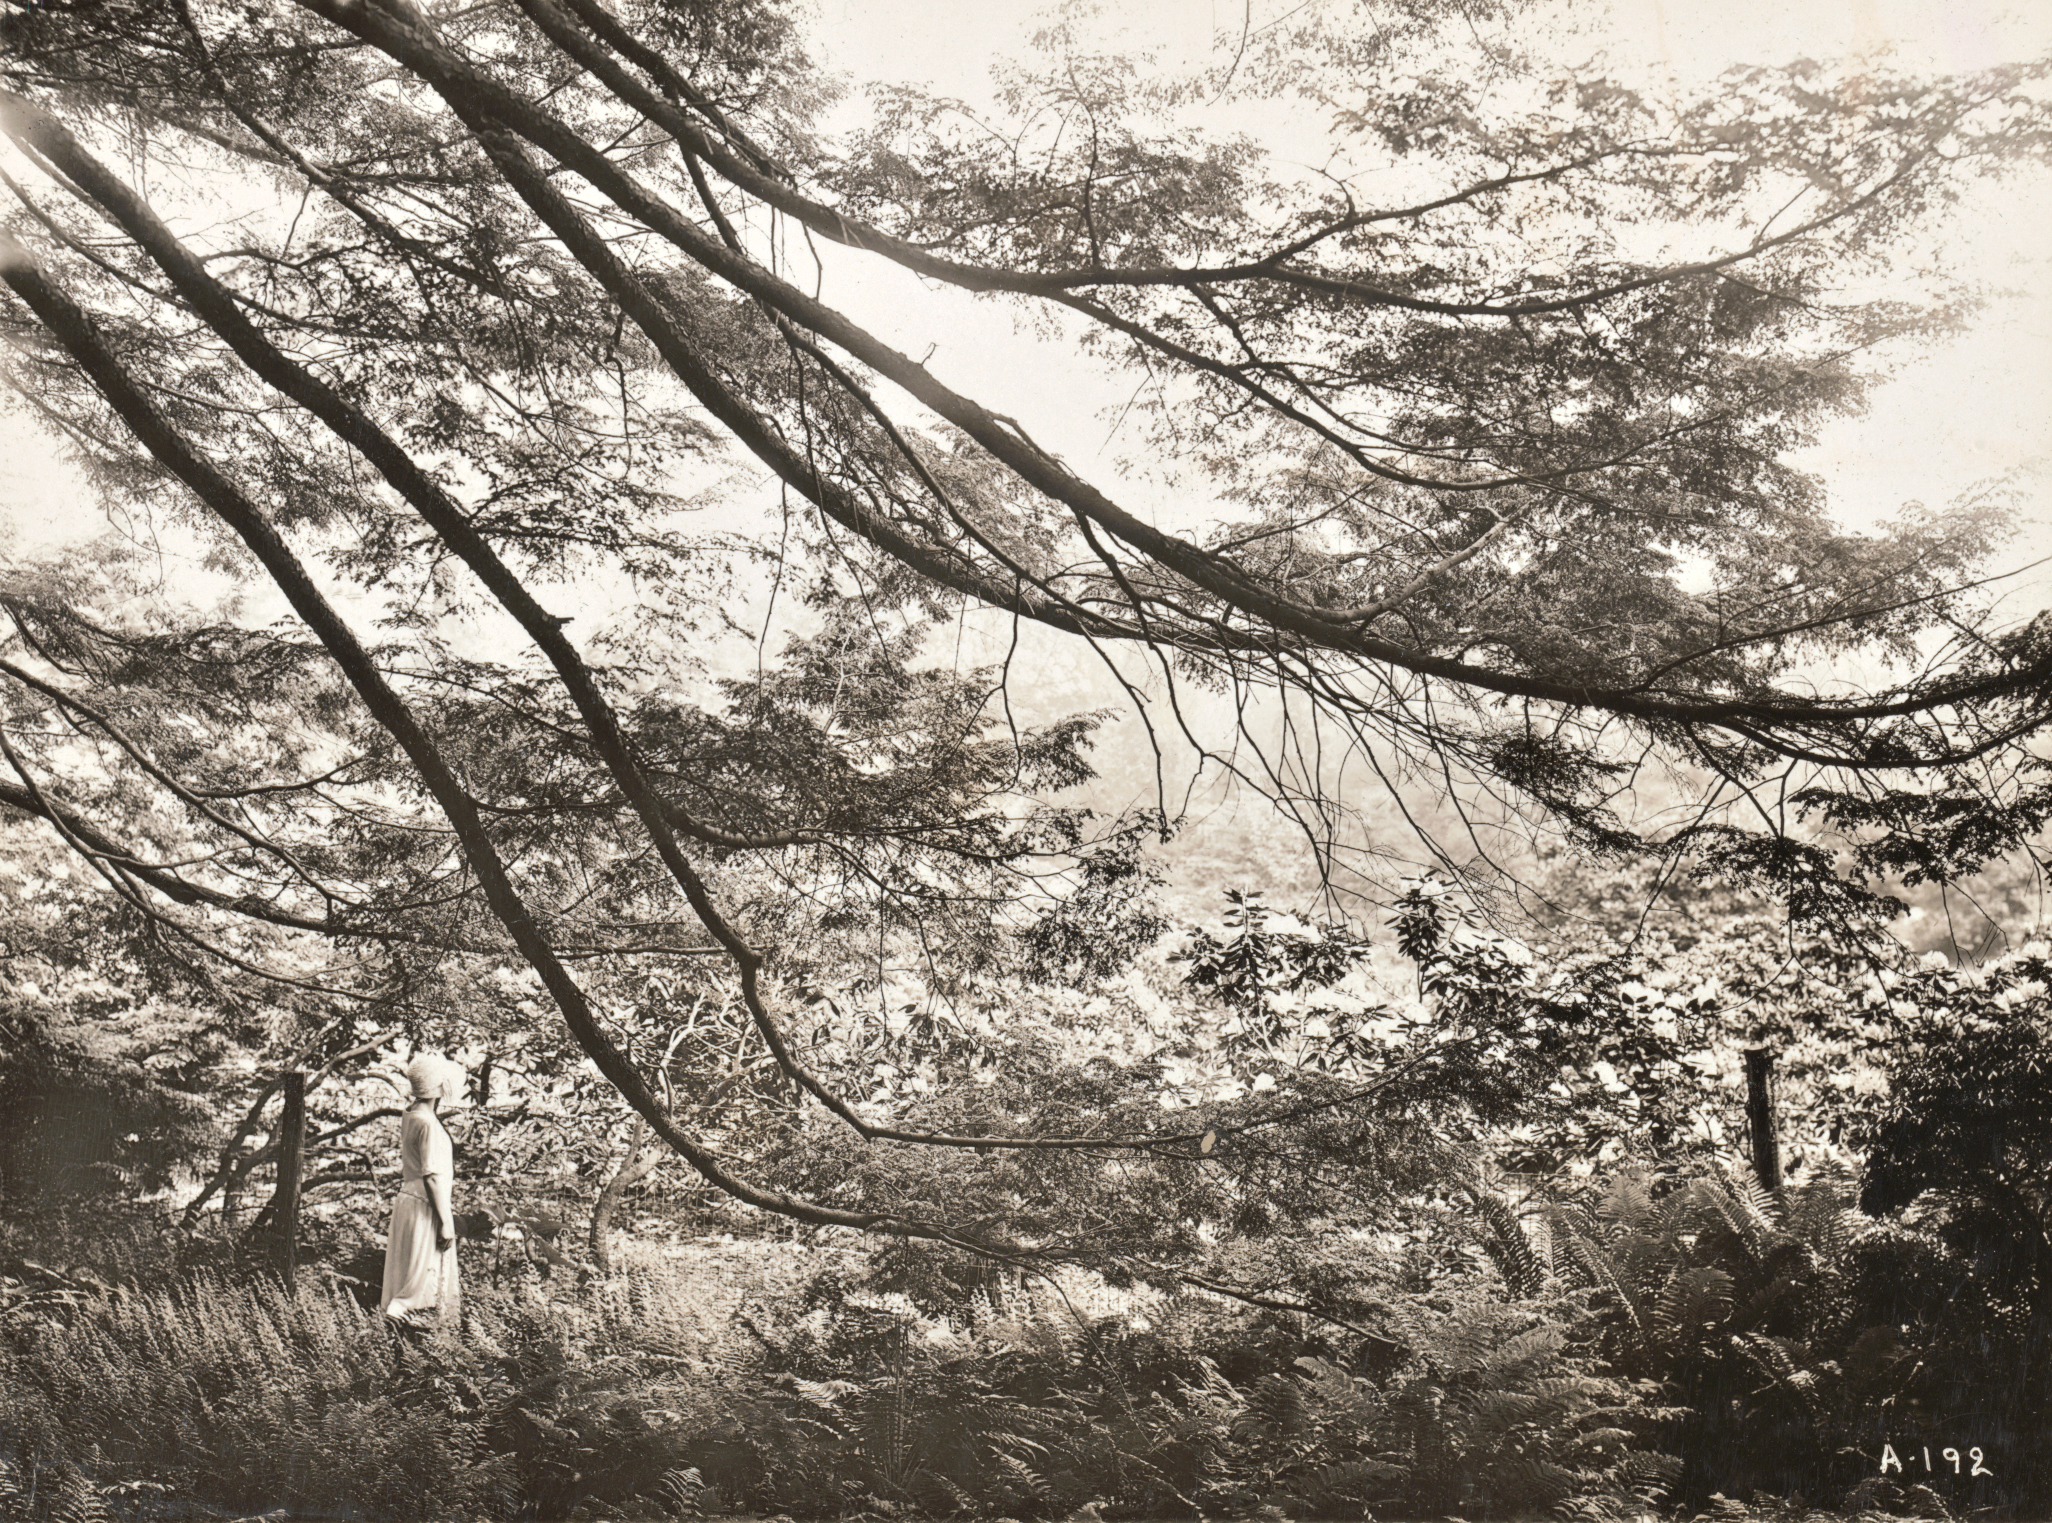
column 241, row 1396
column 1498, row 1411
column 250, row 1398
column 1707, row 1321
column 1794, row 1336
column 57, row 1493
column 1037, row 1412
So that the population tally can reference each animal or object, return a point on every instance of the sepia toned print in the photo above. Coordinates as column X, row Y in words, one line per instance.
column 876, row 761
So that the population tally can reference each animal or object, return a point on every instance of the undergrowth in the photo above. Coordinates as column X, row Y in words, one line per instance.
column 632, row 1398
column 246, row 1397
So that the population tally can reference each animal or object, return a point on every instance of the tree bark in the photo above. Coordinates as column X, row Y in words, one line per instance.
column 640, row 1162
column 1761, row 1128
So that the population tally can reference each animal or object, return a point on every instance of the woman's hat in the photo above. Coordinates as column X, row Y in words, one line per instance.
column 435, row 1078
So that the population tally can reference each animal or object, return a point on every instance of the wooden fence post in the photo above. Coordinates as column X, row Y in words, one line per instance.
column 291, row 1163
column 1760, row 1123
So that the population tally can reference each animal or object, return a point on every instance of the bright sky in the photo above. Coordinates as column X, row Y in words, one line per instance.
column 1974, row 409
column 1978, row 407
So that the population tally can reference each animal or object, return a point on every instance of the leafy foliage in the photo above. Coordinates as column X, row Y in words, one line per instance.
column 1961, row 1150
column 1795, row 1338
column 1460, row 420
column 113, row 1048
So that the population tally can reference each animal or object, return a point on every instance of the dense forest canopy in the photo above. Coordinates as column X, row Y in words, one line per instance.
column 1480, row 438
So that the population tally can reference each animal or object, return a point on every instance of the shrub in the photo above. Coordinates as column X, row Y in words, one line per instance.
column 1797, row 1338
column 1959, row 1156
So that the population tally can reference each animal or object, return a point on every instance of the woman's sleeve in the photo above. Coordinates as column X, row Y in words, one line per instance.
column 440, row 1158
column 415, row 1155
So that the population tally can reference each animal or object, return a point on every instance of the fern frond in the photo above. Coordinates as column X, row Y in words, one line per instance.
column 1592, row 1440
column 1275, row 1409
column 962, row 1503
column 1494, row 1414
column 684, row 1492
column 70, row 1497
column 1746, row 1209
column 1531, row 1347
column 16, row 1491
column 1694, row 1299
column 1624, row 1205
column 1781, row 1362
column 1025, row 1481
column 1523, row 1275
column 1602, row 1273
column 1363, row 1480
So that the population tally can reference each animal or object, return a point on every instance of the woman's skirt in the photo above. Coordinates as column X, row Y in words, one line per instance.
column 418, row 1275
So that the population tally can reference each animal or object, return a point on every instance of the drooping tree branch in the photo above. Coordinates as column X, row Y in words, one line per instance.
column 562, row 189
column 478, row 99
column 71, row 327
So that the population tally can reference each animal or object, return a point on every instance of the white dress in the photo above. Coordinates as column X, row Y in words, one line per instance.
column 418, row 1275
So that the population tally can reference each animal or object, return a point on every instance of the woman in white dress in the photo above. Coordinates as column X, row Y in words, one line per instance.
column 420, row 1255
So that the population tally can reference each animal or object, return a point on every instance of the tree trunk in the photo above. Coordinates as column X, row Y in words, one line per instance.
column 1760, row 1122
column 291, row 1164
column 640, row 1162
